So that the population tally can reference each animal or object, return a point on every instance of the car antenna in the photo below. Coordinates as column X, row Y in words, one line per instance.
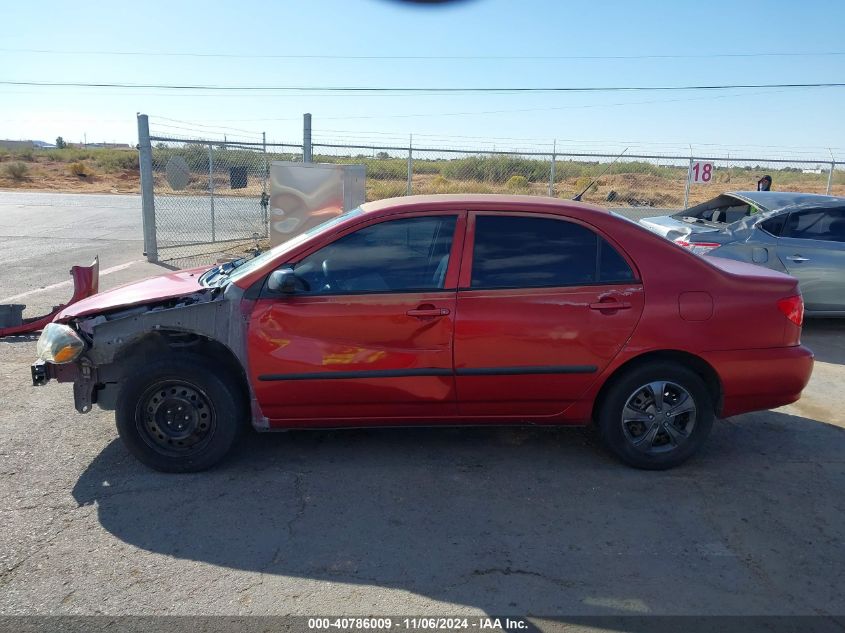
column 577, row 197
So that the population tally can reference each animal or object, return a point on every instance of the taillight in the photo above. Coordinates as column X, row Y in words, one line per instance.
column 699, row 248
column 793, row 308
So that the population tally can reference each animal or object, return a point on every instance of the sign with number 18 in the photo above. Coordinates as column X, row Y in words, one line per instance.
column 701, row 173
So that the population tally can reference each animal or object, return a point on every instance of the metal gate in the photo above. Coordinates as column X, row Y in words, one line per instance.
column 204, row 201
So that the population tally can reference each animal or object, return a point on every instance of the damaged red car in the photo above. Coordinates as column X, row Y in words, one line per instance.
column 438, row 310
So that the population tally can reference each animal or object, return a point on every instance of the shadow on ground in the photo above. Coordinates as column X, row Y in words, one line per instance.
column 510, row 520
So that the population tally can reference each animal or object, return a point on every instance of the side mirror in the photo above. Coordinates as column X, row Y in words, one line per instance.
column 284, row 280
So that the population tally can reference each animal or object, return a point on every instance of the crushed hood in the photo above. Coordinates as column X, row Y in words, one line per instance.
column 154, row 289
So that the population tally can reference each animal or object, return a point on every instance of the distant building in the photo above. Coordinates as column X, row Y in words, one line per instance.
column 817, row 170
column 109, row 145
column 17, row 144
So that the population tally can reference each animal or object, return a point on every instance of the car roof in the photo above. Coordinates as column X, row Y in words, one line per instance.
column 479, row 202
column 777, row 200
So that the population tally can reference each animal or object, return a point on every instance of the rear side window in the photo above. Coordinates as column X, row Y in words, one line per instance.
column 524, row 252
column 816, row 224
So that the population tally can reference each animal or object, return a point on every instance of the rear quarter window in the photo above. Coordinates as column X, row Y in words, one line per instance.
column 774, row 226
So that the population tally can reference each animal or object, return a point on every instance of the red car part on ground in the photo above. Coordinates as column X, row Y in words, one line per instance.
column 86, row 281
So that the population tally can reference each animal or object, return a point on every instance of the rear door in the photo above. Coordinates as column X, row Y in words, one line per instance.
column 811, row 247
column 544, row 304
column 369, row 333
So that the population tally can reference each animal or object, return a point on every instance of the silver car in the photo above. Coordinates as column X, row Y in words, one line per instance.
column 798, row 233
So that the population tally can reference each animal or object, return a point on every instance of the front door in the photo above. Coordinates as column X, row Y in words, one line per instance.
column 544, row 305
column 812, row 249
column 368, row 335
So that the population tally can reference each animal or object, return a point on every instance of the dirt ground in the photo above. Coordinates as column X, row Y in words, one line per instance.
column 630, row 189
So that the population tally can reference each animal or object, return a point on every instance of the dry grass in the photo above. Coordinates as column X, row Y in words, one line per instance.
column 115, row 171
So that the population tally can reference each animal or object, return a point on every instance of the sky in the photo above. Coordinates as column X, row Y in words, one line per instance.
column 321, row 43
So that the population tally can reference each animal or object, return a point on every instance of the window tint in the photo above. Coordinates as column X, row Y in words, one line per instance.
column 522, row 252
column 393, row 256
column 816, row 224
column 774, row 226
column 612, row 266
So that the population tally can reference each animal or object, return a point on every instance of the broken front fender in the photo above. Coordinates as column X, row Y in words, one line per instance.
column 86, row 281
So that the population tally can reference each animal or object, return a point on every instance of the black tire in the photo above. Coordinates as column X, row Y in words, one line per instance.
column 179, row 414
column 667, row 438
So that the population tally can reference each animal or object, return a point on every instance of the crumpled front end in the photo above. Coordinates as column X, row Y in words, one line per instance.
column 116, row 343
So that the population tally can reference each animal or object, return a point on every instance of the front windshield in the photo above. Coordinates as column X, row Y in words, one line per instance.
column 258, row 261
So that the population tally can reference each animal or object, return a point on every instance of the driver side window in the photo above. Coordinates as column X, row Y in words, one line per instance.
column 404, row 255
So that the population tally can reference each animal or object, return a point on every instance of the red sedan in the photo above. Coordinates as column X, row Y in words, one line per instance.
column 439, row 310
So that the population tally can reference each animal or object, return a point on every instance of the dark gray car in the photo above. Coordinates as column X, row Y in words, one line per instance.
column 798, row 233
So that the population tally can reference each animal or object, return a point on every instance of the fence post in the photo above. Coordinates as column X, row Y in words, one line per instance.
column 264, row 198
column 686, row 189
column 410, row 187
column 306, row 138
column 830, row 173
column 552, row 170
column 211, row 188
column 148, row 213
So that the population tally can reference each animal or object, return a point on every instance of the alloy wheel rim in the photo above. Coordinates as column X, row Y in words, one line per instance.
column 658, row 417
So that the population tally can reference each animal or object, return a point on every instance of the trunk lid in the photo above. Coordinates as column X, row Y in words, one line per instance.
column 672, row 228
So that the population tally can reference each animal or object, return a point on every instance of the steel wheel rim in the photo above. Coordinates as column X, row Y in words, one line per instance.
column 175, row 417
column 659, row 417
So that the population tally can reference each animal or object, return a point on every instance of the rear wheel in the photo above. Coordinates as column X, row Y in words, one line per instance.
column 656, row 416
column 177, row 415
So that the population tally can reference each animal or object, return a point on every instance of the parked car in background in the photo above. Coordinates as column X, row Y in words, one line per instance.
column 797, row 233
column 438, row 310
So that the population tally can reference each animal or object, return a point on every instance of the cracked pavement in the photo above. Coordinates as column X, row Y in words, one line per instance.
column 413, row 521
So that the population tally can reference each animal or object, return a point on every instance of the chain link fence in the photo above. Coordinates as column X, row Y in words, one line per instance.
column 209, row 196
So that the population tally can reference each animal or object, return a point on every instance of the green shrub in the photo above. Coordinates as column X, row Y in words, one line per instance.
column 115, row 160
column 26, row 154
column 80, row 169
column 517, row 183
column 16, row 170
column 496, row 169
column 385, row 189
column 582, row 182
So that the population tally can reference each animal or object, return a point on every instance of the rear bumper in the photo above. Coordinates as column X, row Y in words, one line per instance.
column 758, row 379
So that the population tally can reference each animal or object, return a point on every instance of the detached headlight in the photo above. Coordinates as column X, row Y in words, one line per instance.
column 59, row 344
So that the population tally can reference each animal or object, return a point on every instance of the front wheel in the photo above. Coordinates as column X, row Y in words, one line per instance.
column 656, row 416
column 177, row 415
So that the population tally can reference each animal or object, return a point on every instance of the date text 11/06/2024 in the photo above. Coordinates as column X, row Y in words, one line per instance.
column 422, row 623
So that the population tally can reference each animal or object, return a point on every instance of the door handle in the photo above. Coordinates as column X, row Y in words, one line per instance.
column 798, row 259
column 428, row 312
column 610, row 305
